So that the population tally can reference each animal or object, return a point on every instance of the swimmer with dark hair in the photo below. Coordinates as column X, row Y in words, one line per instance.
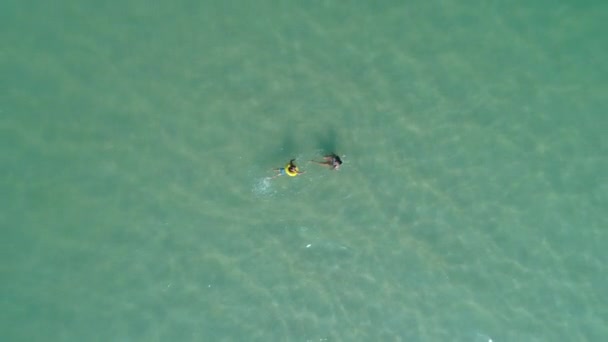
column 332, row 161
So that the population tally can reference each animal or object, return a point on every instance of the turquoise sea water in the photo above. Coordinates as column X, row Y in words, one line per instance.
column 136, row 142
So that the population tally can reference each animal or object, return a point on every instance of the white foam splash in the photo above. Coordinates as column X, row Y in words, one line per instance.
column 485, row 337
column 263, row 187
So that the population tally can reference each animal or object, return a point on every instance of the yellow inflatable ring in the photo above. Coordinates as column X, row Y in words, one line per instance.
column 291, row 173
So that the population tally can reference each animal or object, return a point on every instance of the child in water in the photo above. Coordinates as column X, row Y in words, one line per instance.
column 333, row 161
column 290, row 169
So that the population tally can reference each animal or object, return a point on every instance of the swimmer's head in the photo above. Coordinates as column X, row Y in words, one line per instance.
column 336, row 162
